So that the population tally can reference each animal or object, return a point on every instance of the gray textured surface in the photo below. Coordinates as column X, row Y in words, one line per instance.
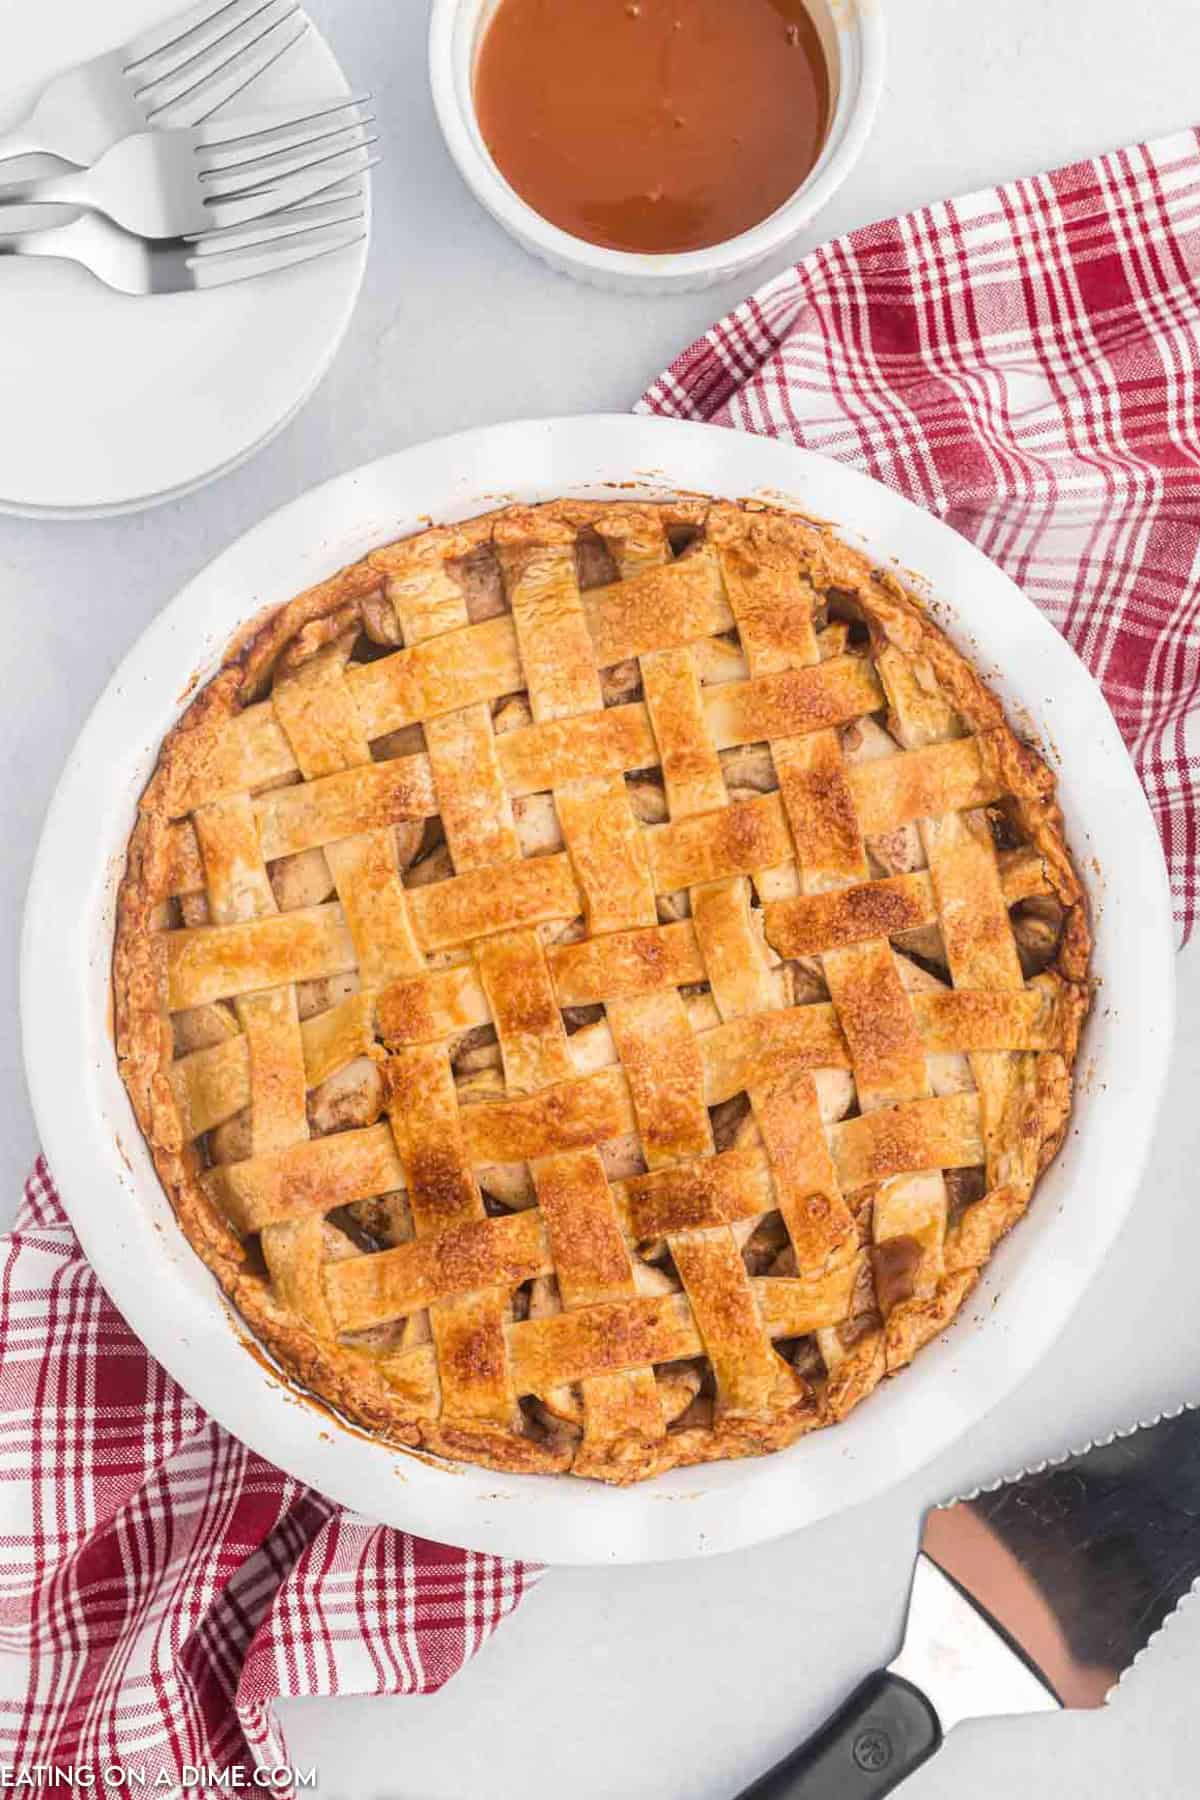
column 677, row 1683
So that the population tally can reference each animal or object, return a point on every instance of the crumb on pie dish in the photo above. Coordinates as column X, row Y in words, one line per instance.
column 597, row 982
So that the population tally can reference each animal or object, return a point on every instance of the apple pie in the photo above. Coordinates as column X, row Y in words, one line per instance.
column 597, row 981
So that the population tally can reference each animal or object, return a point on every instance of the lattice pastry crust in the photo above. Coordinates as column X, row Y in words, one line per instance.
column 597, row 982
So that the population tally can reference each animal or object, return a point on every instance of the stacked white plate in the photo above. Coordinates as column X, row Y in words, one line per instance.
column 112, row 402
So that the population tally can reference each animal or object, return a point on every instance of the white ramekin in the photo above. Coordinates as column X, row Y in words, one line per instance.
column 852, row 36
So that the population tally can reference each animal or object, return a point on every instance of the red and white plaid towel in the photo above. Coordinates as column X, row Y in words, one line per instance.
column 161, row 1585
column 1024, row 362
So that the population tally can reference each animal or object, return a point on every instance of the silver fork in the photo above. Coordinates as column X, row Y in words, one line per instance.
column 176, row 74
column 133, row 265
column 165, row 184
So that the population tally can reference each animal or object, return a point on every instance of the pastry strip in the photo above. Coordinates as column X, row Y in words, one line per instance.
column 516, row 981
column 468, row 1334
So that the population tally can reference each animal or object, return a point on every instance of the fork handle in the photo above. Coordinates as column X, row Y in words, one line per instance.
column 24, row 139
column 49, row 240
column 63, row 188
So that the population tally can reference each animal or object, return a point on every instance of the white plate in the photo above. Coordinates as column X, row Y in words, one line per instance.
column 113, row 402
column 126, row 1224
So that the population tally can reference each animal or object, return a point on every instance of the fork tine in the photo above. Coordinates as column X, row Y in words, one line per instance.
column 222, row 72
column 224, row 14
column 350, row 190
column 274, row 226
column 259, row 206
column 215, row 49
column 232, row 132
column 249, row 69
column 251, row 260
column 254, row 172
column 323, row 173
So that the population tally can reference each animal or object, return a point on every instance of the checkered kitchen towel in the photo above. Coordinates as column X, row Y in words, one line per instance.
column 1025, row 362
column 161, row 1585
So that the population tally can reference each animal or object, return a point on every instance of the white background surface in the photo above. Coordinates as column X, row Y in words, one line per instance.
column 677, row 1683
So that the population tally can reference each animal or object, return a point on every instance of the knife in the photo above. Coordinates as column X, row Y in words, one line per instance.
column 1030, row 1595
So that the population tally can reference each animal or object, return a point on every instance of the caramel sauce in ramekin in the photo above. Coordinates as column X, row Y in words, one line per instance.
column 655, row 126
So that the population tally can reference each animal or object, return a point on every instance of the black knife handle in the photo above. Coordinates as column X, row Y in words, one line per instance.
column 885, row 1730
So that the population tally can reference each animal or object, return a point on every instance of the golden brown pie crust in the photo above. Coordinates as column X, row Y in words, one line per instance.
column 828, row 915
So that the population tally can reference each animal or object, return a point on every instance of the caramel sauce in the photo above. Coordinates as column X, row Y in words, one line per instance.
column 652, row 125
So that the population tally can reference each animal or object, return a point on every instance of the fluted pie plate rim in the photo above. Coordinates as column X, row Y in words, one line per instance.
column 124, row 1219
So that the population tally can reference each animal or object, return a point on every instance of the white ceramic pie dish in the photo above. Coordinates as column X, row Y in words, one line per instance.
column 852, row 37
column 125, row 1221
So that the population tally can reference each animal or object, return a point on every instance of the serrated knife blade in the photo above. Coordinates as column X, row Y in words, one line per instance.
column 1032, row 1594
